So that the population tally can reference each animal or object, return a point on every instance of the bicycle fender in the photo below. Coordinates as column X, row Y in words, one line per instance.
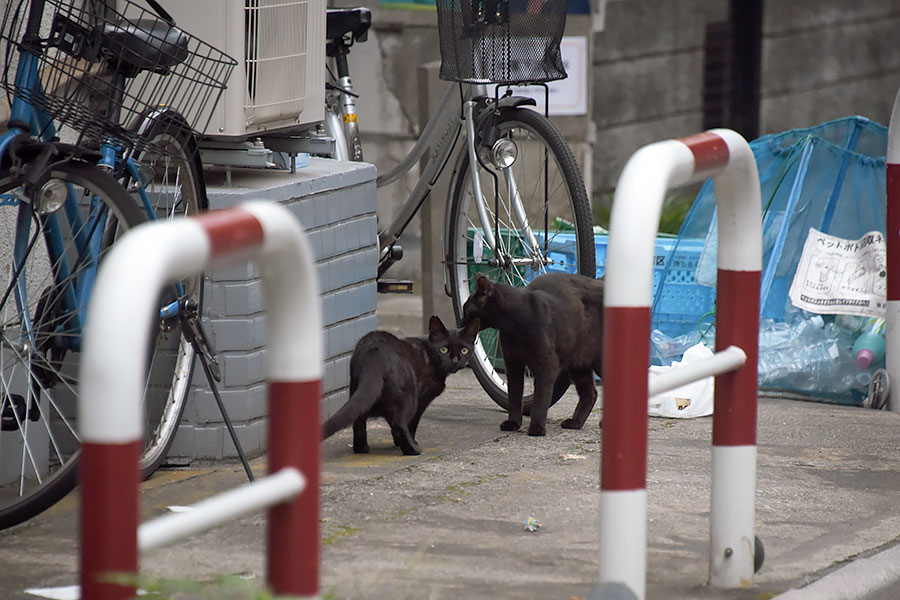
column 149, row 117
column 489, row 108
column 514, row 102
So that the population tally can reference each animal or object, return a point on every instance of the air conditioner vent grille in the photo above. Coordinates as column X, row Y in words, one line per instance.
column 276, row 56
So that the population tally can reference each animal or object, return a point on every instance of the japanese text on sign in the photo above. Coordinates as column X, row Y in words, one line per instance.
column 839, row 276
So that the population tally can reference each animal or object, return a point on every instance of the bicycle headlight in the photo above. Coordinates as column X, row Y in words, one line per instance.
column 504, row 153
column 50, row 197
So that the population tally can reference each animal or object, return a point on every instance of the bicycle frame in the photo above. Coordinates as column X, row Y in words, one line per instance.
column 439, row 135
column 76, row 293
column 439, row 138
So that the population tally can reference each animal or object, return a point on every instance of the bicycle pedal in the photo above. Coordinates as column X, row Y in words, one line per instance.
column 395, row 286
column 15, row 407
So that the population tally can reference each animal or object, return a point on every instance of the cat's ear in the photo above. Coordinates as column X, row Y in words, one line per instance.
column 483, row 284
column 470, row 331
column 436, row 329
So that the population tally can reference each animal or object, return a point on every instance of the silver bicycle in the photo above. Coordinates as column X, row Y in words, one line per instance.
column 517, row 206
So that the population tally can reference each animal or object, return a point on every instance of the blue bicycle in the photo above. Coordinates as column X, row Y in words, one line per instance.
column 104, row 100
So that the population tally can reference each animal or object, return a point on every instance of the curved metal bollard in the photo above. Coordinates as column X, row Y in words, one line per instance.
column 892, row 314
column 114, row 355
column 634, row 221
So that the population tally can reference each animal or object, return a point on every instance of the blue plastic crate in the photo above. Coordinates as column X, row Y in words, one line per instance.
column 683, row 303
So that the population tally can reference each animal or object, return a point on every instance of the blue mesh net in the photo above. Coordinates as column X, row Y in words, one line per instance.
column 830, row 177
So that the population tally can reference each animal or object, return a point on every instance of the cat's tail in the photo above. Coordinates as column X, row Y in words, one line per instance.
column 363, row 398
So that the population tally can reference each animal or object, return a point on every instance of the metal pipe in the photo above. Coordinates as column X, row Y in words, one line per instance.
column 729, row 359
column 478, row 199
column 423, row 143
column 221, row 508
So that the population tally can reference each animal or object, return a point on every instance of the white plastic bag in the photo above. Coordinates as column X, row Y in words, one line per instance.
column 690, row 400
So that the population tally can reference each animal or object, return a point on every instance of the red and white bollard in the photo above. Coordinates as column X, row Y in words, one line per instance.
column 634, row 221
column 892, row 314
column 114, row 356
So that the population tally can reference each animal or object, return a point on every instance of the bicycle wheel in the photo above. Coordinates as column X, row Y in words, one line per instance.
column 556, row 206
column 39, row 335
column 172, row 182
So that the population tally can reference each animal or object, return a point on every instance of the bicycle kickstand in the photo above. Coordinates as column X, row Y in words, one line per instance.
column 193, row 332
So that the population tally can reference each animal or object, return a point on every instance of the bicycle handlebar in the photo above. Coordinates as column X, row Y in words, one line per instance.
column 161, row 12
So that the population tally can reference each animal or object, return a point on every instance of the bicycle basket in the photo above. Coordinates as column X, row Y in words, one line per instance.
column 501, row 41
column 92, row 52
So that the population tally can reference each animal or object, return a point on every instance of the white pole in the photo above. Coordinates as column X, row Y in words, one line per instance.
column 729, row 359
column 221, row 508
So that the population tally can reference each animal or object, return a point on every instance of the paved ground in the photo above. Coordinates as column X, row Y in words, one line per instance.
column 451, row 523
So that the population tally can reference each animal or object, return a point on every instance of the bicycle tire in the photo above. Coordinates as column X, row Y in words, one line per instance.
column 177, row 189
column 39, row 444
column 566, row 206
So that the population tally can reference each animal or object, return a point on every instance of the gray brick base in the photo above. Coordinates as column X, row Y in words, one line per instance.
column 335, row 202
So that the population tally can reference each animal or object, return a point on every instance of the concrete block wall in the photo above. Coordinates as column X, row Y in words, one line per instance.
column 647, row 77
column 335, row 202
column 821, row 60
column 827, row 59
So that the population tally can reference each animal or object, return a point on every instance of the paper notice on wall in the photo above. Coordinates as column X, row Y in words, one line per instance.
column 838, row 276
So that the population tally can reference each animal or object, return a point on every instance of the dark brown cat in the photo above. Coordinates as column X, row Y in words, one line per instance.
column 553, row 326
column 398, row 378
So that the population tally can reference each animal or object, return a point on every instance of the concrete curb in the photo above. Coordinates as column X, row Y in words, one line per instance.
column 876, row 577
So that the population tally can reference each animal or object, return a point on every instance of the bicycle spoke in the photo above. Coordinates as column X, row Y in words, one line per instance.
column 51, row 405
column 22, row 427
column 41, row 312
column 541, row 218
column 174, row 191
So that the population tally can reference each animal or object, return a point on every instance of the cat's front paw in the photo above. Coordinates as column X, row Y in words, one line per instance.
column 510, row 425
column 571, row 424
column 361, row 448
column 537, row 430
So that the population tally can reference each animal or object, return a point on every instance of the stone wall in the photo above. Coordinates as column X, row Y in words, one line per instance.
column 821, row 59
column 824, row 59
column 647, row 77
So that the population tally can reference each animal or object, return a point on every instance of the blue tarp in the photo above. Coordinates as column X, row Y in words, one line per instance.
column 830, row 177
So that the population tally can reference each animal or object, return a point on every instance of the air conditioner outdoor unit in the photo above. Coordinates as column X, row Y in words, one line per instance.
column 279, row 83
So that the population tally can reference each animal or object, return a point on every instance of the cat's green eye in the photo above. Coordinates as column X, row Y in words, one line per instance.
column 444, row 350
column 464, row 351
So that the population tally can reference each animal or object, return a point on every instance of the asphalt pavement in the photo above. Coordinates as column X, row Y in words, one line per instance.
column 452, row 522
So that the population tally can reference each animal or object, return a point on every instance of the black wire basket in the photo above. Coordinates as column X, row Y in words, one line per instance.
column 105, row 65
column 501, row 41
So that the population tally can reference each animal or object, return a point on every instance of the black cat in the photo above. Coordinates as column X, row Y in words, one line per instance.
column 553, row 326
column 398, row 378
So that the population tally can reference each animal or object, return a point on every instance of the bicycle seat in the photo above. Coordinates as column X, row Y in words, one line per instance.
column 147, row 45
column 341, row 21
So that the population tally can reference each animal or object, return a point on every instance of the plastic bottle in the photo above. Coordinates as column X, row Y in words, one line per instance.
column 869, row 346
column 850, row 323
column 773, row 334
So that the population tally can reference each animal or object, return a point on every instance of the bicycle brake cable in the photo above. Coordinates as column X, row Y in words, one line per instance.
column 331, row 86
column 161, row 12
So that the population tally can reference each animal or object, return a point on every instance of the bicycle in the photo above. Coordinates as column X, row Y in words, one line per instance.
column 539, row 218
column 125, row 88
